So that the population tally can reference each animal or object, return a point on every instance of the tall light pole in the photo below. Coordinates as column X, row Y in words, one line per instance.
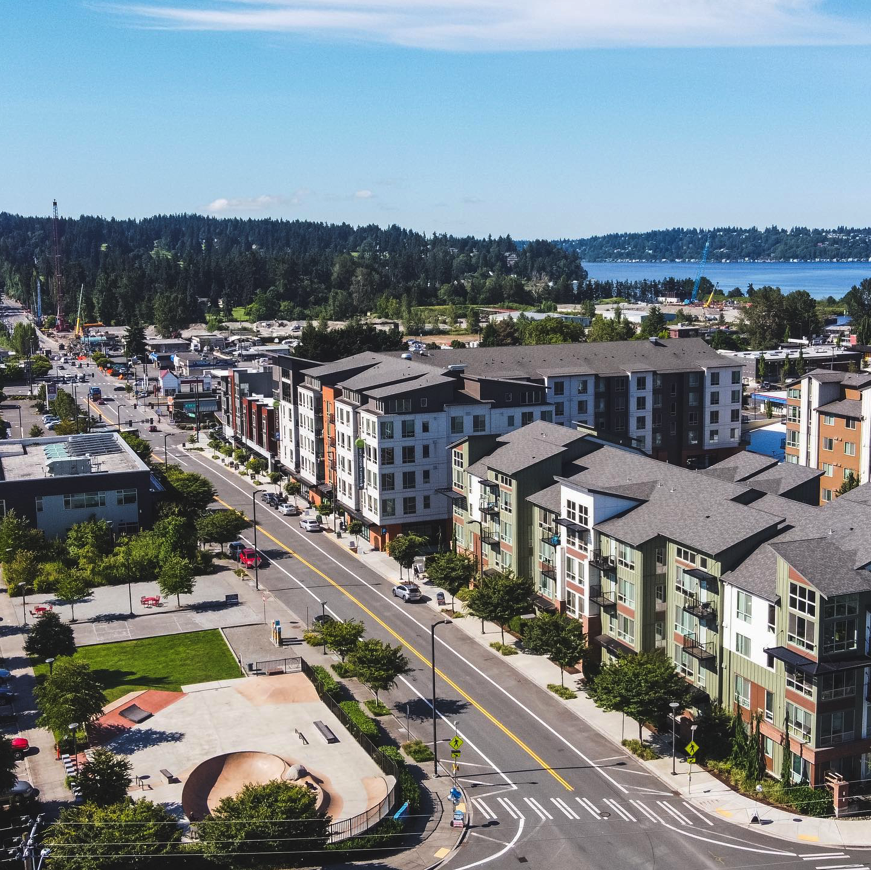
column 323, row 620
column 256, row 554
column 435, row 745
column 674, row 705
column 165, row 454
column 23, row 588
column 74, row 727
column 50, row 663
column 20, row 424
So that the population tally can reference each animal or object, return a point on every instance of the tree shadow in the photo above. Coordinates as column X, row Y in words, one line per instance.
column 420, row 709
column 130, row 740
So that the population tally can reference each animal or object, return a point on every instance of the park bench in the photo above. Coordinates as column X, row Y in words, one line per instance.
column 167, row 775
column 326, row 732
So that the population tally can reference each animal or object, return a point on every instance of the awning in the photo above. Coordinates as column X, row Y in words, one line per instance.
column 571, row 524
column 492, row 572
column 452, row 494
column 700, row 575
column 814, row 669
column 540, row 602
column 618, row 648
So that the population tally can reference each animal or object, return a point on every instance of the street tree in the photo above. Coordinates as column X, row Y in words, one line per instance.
column 341, row 638
column 129, row 834
column 35, row 431
column 221, row 526
column 73, row 587
column 134, row 341
column 293, row 489
column 64, row 406
column 404, row 549
column 138, row 445
column 191, row 492
column 176, row 578
column 104, row 778
column 559, row 638
column 22, row 568
column 641, row 686
column 40, row 366
column 451, row 572
column 71, row 693
column 378, row 665
column 49, row 637
column 16, row 534
column 89, row 539
column 265, row 826
column 355, row 528
column 501, row 598
column 858, row 300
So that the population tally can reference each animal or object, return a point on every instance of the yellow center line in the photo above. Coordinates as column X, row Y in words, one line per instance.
column 527, row 749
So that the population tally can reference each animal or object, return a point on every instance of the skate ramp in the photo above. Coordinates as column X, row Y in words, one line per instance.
column 224, row 776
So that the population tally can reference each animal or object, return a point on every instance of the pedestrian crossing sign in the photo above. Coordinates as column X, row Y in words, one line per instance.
column 455, row 742
column 692, row 747
column 455, row 753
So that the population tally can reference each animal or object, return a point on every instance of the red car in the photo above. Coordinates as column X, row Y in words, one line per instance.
column 249, row 559
column 20, row 747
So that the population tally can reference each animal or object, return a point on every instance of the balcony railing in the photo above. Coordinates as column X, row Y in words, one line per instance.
column 701, row 609
column 603, row 596
column 488, row 537
column 603, row 562
column 551, row 540
column 491, row 508
column 701, row 651
column 548, row 570
column 661, row 568
column 661, row 606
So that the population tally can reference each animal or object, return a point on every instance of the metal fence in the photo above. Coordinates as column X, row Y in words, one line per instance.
column 360, row 823
column 291, row 665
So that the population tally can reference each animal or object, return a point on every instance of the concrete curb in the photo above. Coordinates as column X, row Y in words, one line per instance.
column 462, row 835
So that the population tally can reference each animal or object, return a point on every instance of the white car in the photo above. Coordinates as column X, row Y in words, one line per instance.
column 407, row 592
column 307, row 524
column 288, row 509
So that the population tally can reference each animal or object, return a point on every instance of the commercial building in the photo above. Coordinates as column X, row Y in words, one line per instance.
column 756, row 592
column 59, row 481
column 827, row 428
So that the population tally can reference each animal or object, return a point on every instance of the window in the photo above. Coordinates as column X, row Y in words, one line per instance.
column 456, row 425
column 683, row 622
column 828, row 469
column 626, row 592
column 800, row 631
column 828, row 443
column 799, row 682
column 126, row 529
column 509, row 397
column 641, row 382
column 826, row 494
column 387, row 456
column 620, row 403
column 510, row 421
column 684, row 662
column 715, row 379
column 620, row 385
column 715, row 398
column 839, row 635
column 78, row 500
column 625, row 628
column 426, row 502
column 736, row 377
column 388, row 482
column 408, row 428
column 424, row 426
column 625, row 556
column 772, row 617
column 736, row 397
column 425, row 451
column 837, row 685
column 125, row 496
column 547, row 416
column 408, row 454
column 745, row 606
column 388, row 507
column 559, row 409
column 386, row 429
column 713, row 436
column 742, row 645
column 583, row 386
column 409, row 504
column 734, row 415
column 571, row 569
column 526, row 417
column 685, row 555
column 836, row 728
column 693, row 418
column 742, row 691
column 409, row 479
column 559, row 388
column 506, row 531
column 641, row 403
column 693, row 399
column 843, row 605
column 424, row 402
column 767, row 746
column 574, row 604
column 849, row 424
column 769, row 706
column 577, row 513
column 641, row 422
column 583, row 405
column 850, row 448
column 828, row 420
column 715, row 417
column 479, row 423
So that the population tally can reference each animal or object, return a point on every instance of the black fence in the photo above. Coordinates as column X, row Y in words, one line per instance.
column 291, row 665
column 360, row 823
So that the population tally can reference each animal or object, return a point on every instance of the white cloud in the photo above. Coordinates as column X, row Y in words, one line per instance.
column 265, row 202
column 364, row 194
column 521, row 24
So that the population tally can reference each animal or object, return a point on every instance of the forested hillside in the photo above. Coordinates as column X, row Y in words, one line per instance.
column 173, row 269
column 727, row 243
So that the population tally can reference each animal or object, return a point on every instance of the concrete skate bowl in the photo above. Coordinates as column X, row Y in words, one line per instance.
column 226, row 775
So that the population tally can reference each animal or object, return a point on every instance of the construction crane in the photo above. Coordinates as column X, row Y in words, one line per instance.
column 61, row 324
column 711, row 297
column 695, row 295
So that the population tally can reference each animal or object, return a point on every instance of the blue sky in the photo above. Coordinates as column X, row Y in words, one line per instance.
column 542, row 118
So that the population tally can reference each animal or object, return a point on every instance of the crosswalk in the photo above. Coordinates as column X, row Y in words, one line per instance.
column 831, row 861
column 582, row 809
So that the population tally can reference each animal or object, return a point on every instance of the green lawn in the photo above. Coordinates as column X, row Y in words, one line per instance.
column 165, row 663
column 238, row 313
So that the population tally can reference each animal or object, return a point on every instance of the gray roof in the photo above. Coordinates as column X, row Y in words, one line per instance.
column 347, row 364
column 842, row 408
column 548, row 498
column 760, row 472
column 526, row 446
column 603, row 358
column 385, row 372
column 740, row 466
column 848, row 379
column 397, row 388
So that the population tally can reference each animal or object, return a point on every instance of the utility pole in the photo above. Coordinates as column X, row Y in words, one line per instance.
column 61, row 324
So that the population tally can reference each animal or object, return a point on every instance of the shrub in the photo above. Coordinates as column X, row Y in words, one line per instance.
column 808, row 801
column 343, row 670
column 325, row 678
column 463, row 594
column 386, row 834
column 642, row 750
column 418, row 750
column 377, row 708
column 365, row 725
column 563, row 692
column 409, row 790
column 505, row 648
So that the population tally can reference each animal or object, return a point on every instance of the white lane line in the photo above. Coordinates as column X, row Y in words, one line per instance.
column 651, row 790
column 474, row 781
column 610, row 758
column 564, row 807
column 542, row 812
column 692, row 809
column 647, row 812
column 589, row 808
column 636, row 772
column 490, row 839
column 483, row 807
column 810, row 856
column 507, row 808
column 447, row 646
column 515, row 812
column 499, row 854
column 706, row 838
column 619, row 810
column 837, row 867
column 674, row 813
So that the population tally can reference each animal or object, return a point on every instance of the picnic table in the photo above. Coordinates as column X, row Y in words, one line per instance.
column 39, row 609
column 150, row 601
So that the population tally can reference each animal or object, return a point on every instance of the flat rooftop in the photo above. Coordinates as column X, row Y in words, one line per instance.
column 32, row 458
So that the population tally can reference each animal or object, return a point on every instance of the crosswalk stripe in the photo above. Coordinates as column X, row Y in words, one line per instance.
column 620, row 811
column 675, row 813
column 570, row 813
column 509, row 807
column 588, row 807
column 483, row 807
column 542, row 812
column 705, row 819
column 647, row 812
column 808, row 856
column 838, row 867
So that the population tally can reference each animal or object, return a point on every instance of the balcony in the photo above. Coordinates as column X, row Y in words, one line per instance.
column 603, row 597
column 661, row 568
column 700, row 651
column 603, row 562
column 489, row 508
column 548, row 569
column 661, row 606
column 702, row 609
column 550, row 540
column 488, row 537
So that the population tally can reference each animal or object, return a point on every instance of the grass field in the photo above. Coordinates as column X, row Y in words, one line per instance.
column 238, row 313
column 165, row 663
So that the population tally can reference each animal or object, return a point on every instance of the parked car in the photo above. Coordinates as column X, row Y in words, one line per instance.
column 270, row 498
column 308, row 524
column 235, row 548
column 120, row 389
column 21, row 793
column 20, row 747
column 323, row 618
column 152, row 428
column 249, row 558
column 288, row 509
column 407, row 592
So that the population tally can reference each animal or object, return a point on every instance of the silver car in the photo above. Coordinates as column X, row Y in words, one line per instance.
column 407, row 592
column 307, row 524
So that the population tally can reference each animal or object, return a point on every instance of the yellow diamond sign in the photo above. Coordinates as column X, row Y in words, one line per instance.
column 455, row 742
column 692, row 747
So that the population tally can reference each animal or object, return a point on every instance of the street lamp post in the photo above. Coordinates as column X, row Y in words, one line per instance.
column 256, row 554
column 74, row 727
column 690, row 776
column 23, row 588
column 674, row 705
column 20, row 424
column 50, row 663
column 165, row 454
column 435, row 745
column 323, row 620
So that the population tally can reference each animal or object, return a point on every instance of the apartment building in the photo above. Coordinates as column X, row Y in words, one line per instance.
column 760, row 596
column 827, row 414
column 245, row 406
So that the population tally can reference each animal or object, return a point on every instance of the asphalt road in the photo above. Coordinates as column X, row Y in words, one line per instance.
column 545, row 789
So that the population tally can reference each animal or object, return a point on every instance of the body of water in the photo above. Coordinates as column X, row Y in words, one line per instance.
column 819, row 279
